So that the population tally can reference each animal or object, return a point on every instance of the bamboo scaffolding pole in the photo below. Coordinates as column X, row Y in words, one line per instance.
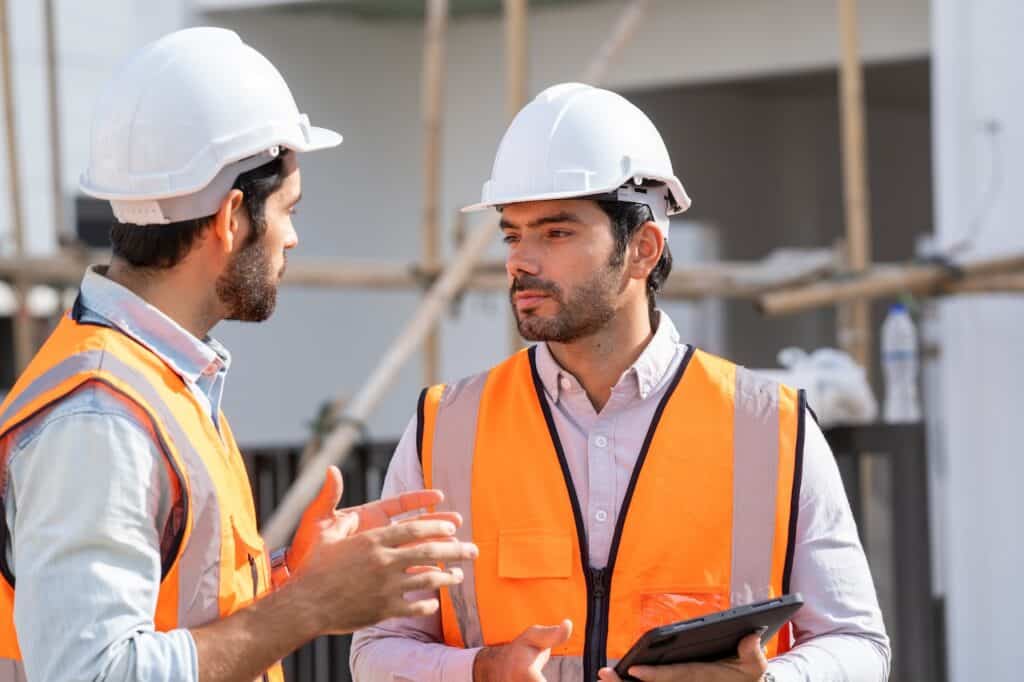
column 433, row 108
column 52, row 88
column 883, row 281
column 337, row 445
column 855, row 327
column 22, row 323
column 629, row 21
column 515, row 98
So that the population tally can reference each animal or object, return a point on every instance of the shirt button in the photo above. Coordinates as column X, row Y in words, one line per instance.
column 601, row 442
column 601, row 515
column 566, row 384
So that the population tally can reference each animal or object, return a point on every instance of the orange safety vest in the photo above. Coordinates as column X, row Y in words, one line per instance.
column 707, row 522
column 220, row 563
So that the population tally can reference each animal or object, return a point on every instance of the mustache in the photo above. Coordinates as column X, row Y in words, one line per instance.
column 532, row 283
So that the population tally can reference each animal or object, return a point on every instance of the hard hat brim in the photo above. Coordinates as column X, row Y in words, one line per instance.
column 321, row 138
column 676, row 187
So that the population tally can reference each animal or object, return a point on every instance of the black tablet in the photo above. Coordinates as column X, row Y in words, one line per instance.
column 709, row 638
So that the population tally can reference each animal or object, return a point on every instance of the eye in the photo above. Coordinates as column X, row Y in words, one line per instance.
column 558, row 234
column 510, row 239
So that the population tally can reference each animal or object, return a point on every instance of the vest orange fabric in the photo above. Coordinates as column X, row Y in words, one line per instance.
column 690, row 539
column 221, row 564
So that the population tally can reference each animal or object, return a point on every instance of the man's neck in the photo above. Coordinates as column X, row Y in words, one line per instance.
column 172, row 292
column 599, row 360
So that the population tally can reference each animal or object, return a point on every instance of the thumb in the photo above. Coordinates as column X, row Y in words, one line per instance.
column 330, row 494
column 548, row 636
column 750, row 650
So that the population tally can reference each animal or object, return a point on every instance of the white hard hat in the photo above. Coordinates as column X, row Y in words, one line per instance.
column 575, row 140
column 182, row 118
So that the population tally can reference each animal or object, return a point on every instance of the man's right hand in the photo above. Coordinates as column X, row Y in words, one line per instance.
column 522, row 659
column 356, row 580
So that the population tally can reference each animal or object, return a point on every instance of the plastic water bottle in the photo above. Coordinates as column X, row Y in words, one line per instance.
column 900, row 366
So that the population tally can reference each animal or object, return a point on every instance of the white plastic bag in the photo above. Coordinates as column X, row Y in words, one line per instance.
column 837, row 388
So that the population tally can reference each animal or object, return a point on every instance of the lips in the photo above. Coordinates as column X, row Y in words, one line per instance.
column 529, row 299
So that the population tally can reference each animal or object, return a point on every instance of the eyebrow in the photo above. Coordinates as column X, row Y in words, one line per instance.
column 560, row 217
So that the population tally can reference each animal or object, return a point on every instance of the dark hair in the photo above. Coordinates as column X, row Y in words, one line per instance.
column 164, row 246
column 626, row 218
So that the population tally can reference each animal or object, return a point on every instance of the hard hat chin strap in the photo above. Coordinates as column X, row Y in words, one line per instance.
column 657, row 198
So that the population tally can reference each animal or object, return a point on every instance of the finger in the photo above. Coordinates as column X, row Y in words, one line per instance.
column 548, row 636
column 608, row 675
column 410, row 501
column 416, row 570
column 432, row 581
column 329, row 496
column 404, row 533
column 750, row 651
column 436, row 553
column 423, row 607
column 454, row 517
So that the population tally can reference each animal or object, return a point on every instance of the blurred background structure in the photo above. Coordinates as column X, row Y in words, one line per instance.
column 877, row 142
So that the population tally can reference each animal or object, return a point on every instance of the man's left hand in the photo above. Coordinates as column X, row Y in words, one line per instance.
column 749, row 667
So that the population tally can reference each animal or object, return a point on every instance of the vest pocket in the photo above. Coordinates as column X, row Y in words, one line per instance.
column 249, row 574
column 662, row 607
column 534, row 554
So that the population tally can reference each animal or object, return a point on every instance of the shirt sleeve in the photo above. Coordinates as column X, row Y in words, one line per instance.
column 86, row 490
column 840, row 636
column 408, row 649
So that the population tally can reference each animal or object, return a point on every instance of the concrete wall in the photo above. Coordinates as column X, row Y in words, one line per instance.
column 977, row 79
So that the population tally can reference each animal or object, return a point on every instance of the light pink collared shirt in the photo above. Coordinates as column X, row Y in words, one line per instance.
column 840, row 634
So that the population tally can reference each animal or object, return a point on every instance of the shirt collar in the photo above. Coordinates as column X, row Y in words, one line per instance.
column 642, row 378
column 187, row 355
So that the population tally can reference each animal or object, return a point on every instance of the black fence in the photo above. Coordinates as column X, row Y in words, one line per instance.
column 890, row 505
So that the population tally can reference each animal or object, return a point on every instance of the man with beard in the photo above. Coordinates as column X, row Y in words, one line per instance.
column 615, row 478
column 130, row 549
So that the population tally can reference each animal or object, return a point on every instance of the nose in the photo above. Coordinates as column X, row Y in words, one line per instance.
column 291, row 238
column 522, row 260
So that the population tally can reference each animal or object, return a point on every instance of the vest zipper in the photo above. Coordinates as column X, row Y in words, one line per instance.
column 256, row 593
column 598, row 580
column 597, row 621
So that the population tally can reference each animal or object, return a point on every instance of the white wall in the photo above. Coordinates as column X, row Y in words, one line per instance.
column 977, row 77
column 363, row 200
column 92, row 38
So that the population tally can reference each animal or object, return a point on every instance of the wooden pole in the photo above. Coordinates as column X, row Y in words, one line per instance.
column 628, row 23
column 515, row 97
column 337, row 445
column 883, row 281
column 52, row 88
column 22, row 322
column 855, row 333
column 433, row 107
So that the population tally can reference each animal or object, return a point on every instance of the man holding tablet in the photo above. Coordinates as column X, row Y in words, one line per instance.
column 614, row 478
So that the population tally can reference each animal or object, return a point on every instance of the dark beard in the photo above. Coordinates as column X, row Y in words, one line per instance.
column 246, row 287
column 587, row 311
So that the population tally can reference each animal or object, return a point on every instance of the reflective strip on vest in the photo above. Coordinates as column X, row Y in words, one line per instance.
column 755, row 480
column 564, row 668
column 755, row 477
column 199, row 562
column 457, row 431
column 12, row 671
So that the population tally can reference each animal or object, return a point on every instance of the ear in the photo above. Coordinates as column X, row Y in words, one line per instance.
column 645, row 249
column 227, row 225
